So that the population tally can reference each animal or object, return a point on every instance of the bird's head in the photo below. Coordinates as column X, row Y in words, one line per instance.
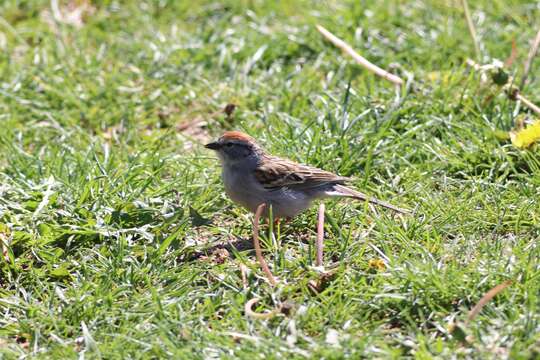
column 235, row 147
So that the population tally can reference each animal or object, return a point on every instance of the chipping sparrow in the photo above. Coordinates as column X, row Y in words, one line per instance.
column 252, row 177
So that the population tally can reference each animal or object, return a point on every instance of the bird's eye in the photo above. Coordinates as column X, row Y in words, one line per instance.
column 228, row 145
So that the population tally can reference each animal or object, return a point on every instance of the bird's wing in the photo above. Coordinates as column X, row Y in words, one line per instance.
column 275, row 172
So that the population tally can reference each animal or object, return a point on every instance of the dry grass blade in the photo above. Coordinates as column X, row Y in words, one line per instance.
column 249, row 312
column 472, row 29
column 320, row 236
column 257, row 245
column 486, row 298
column 528, row 103
column 4, row 241
column 530, row 57
column 243, row 273
column 358, row 58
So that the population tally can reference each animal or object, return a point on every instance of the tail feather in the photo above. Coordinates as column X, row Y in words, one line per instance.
column 340, row 190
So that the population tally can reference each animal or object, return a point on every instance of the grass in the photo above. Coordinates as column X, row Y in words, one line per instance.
column 113, row 209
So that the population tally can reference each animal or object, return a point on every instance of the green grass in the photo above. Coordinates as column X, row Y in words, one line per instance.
column 112, row 211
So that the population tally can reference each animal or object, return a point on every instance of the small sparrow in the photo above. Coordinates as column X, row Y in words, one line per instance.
column 252, row 177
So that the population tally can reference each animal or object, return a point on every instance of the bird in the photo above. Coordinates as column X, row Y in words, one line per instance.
column 251, row 177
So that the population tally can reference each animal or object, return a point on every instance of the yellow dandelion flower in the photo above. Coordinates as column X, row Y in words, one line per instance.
column 527, row 136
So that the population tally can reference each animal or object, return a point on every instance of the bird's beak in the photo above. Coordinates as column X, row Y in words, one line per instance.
column 213, row 145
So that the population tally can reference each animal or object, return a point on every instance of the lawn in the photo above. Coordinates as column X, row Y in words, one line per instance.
column 119, row 241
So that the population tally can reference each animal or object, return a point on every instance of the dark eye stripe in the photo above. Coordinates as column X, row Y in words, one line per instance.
column 229, row 144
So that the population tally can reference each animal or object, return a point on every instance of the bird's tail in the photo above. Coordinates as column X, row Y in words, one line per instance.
column 341, row 190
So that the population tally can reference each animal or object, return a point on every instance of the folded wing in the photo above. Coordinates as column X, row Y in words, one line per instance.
column 277, row 172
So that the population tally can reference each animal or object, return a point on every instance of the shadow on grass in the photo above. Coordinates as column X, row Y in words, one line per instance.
column 238, row 245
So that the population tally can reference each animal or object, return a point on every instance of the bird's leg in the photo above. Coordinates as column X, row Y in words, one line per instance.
column 320, row 237
column 257, row 245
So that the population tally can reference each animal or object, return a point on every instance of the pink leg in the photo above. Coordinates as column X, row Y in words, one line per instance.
column 320, row 237
column 257, row 245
